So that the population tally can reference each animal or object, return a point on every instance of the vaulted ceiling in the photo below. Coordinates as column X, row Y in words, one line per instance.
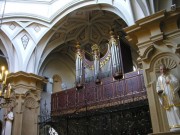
column 88, row 28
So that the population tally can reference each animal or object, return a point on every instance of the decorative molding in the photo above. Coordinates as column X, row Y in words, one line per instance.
column 31, row 103
column 12, row 26
column 37, row 28
column 178, row 50
column 147, row 52
column 12, row 103
column 157, row 37
column 25, row 41
column 167, row 61
column 34, row 1
column 23, row 91
column 22, row 74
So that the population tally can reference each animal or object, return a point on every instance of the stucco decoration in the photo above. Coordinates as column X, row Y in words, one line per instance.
column 11, row 103
column 25, row 40
column 167, row 61
column 148, row 53
column 31, row 103
column 37, row 28
column 12, row 26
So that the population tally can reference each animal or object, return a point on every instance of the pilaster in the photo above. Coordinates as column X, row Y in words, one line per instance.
column 27, row 89
column 57, row 81
column 156, row 39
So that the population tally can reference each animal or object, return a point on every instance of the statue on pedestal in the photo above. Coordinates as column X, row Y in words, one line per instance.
column 167, row 87
column 8, row 118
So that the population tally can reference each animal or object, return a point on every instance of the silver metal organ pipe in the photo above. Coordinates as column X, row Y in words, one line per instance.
column 78, row 64
column 96, row 56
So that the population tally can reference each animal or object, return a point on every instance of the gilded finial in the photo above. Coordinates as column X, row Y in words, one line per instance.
column 111, row 33
column 95, row 47
column 78, row 45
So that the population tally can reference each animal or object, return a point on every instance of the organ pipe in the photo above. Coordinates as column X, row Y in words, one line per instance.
column 79, row 67
column 116, row 58
column 96, row 57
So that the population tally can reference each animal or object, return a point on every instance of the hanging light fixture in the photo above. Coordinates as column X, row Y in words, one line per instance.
column 5, row 89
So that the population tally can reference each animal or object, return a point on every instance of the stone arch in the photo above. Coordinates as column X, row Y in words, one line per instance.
column 8, row 51
column 116, row 7
column 17, row 28
column 51, row 58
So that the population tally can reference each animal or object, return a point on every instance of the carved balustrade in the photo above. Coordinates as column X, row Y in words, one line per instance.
column 109, row 93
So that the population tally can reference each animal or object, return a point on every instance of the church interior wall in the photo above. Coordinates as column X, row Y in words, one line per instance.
column 34, row 53
column 156, row 49
column 58, row 67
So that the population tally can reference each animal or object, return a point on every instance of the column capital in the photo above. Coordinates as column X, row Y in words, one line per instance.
column 23, row 82
column 26, row 96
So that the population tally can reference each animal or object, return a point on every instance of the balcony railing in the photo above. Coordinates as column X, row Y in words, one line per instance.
column 109, row 93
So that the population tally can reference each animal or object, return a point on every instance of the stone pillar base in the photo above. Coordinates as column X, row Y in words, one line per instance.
column 166, row 133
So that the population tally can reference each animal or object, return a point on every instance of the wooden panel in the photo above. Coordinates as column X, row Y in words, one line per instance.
column 107, row 91
column 126, row 90
column 119, row 88
column 81, row 97
column 62, row 100
column 71, row 97
column 90, row 95
column 99, row 92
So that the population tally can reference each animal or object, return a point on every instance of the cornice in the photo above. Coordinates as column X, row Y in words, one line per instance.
column 145, row 21
column 22, row 74
column 48, row 2
column 153, row 27
column 158, row 16
column 149, row 20
column 132, row 28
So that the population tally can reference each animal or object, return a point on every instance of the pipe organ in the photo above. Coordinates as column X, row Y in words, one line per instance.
column 116, row 56
column 110, row 64
column 96, row 58
column 79, row 67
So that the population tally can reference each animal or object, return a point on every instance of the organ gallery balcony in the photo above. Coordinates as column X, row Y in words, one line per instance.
column 109, row 93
